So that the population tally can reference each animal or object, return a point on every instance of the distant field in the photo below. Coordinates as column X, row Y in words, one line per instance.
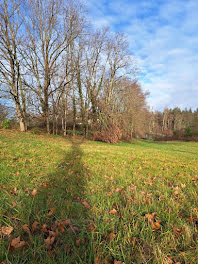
column 90, row 202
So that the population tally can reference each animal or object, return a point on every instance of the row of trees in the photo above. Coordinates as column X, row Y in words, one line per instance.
column 173, row 121
column 55, row 65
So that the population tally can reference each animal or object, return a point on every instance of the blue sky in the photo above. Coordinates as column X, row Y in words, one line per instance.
column 163, row 36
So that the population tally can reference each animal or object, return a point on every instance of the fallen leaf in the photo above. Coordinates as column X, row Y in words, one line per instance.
column 51, row 211
column 113, row 212
column 169, row 260
column 26, row 228
column 49, row 241
column 151, row 217
column 13, row 204
column 111, row 236
column 44, row 228
column 17, row 243
column 52, row 233
column 35, row 226
column 118, row 190
column 14, row 191
column 86, row 204
column 133, row 240
column 178, row 230
column 34, row 192
column 156, row 225
column 118, row 262
column 91, row 227
column 176, row 192
column 6, row 230
column 61, row 227
column 67, row 222
column 97, row 260
column 74, row 229
column 77, row 242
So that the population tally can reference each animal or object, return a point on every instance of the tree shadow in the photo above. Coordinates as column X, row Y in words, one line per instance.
column 60, row 207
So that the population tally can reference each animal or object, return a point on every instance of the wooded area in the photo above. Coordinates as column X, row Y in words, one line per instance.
column 62, row 73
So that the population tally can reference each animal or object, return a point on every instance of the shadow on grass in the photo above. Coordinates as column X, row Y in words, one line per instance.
column 61, row 197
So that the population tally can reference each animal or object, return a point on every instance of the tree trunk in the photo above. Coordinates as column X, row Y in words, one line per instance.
column 47, row 123
column 74, row 115
column 46, row 116
column 56, row 117
column 21, row 118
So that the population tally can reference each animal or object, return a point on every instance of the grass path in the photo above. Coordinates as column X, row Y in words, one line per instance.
column 89, row 202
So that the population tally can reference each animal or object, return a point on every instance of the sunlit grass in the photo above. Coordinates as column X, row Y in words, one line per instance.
column 135, row 180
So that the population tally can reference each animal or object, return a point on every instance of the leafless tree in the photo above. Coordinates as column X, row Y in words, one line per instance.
column 51, row 26
column 10, row 61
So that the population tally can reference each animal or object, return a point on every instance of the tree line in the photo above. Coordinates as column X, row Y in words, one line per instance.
column 175, row 122
column 56, row 67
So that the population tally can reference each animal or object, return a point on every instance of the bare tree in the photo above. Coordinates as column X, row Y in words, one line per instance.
column 51, row 27
column 11, row 85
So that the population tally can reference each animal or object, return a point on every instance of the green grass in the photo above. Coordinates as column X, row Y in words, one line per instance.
column 135, row 179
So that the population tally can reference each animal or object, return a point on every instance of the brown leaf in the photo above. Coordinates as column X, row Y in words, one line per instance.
column 113, row 212
column 133, row 240
column 67, row 222
column 52, row 233
column 156, row 225
column 44, row 228
column 61, row 227
column 17, row 243
column 26, row 228
column 86, row 204
column 97, row 260
column 118, row 190
column 74, row 229
column 34, row 192
column 13, row 204
column 110, row 193
column 51, row 211
column 151, row 217
column 20, row 244
column 191, row 219
column 91, row 227
column 111, row 236
column 49, row 241
column 176, row 192
column 35, row 226
column 6, row 230
column 14, row 191
column 118, row 262
column 78, row 243
column 169, row 260
column 178, row 230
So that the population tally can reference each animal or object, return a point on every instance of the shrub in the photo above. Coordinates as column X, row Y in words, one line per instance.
column 36, row 130
column 6, row 123
column 110, row 135
column 77, row 132
column 188, row 131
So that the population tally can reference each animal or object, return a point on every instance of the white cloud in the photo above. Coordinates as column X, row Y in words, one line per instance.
column 164, row 38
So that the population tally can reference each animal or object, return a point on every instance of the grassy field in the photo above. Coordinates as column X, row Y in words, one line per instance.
column 64, row 201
